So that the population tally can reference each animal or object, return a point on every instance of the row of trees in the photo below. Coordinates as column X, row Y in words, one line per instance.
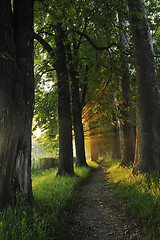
column 94, row 67
column 83, row 50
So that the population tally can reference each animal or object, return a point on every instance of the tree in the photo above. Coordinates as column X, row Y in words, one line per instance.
column 147, row 152
column 94, row 146
column 116, row 151
column 128, row 136
column 16, row 100
column 64, row 111
column 76, row 105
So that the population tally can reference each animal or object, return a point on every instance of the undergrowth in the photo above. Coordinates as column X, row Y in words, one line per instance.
column 140, row 194
column 45, row 218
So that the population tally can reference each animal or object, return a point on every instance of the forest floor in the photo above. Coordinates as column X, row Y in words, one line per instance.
column 98, row 215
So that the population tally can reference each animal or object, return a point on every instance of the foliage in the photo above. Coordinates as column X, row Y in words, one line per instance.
column 44, row 219
column 98, row 21
column 46, row 114
column 140, row 194
column 100, row 70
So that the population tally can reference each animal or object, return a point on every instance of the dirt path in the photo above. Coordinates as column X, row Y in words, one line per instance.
column 98, row 215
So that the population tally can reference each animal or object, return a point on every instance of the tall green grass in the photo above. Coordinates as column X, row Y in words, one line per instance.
column 140, row 194
column 45, row 218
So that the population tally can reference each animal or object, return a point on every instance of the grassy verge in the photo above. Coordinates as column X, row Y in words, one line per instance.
column 140, row 195
column 53, row 197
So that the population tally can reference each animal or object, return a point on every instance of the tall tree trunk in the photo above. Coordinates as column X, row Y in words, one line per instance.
column 78, row 125
column 16, row 101
column 147, row 153
column 128, row 136
column 64, row 111
column 116, row 149
column 76, row 110
column 94, row 146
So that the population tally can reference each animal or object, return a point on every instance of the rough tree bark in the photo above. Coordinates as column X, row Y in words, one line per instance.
column 76, row 109
column 147, row 152
column 16, row 101
column 128, row 135
column 64, row 111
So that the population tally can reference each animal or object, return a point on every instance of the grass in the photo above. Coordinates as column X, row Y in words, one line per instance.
column 140, row 195
column 45, row 218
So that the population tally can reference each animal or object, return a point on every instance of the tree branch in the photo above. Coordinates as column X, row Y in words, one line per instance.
column 92, row 43
column 46, row 46
column 125, row 51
